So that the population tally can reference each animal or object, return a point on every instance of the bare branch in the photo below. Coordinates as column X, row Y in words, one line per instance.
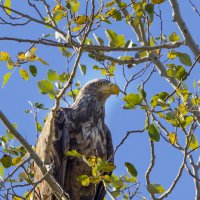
column 50, row 179
column 183, row 28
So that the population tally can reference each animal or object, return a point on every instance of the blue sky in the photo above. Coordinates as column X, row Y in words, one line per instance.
column 15, row 95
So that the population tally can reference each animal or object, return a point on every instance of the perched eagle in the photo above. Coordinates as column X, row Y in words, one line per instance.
column 80, row 127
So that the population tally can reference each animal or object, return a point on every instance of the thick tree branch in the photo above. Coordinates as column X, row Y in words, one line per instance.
column 50, row 179
column 189, row 41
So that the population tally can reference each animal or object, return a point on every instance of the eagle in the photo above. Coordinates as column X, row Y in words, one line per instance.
column 80, row 127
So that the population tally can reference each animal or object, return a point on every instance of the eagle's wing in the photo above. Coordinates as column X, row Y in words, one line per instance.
column 60, row 145
column 100, row 191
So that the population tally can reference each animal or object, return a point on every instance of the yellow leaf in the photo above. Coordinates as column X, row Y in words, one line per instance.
column 193, row 142
column 171, row 55
column 77, row 28
column 16, row 160
column 8, row 4
column 4, row 56
column 24, row 74
column 82, row 19
column 21, row 56
column 173, row 138
column 157, row 1
column 57, row 8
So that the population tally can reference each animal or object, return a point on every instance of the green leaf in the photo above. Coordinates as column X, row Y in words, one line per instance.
column 159, row 99
column 6, row 78
column 117, row 184
column 52, row 75
column 43, row 61
column 1, row 171
column 73, row 5
column 132, row 100
column 125, row 57
column 193, row 142
column 45, row 86
column 114, row 39
column 184, row 59
column 174, row 37
column 84, row 179
column 16, row 160
column 39, row 127
column 24, row 74
column 154, row 133
column 83, row 69
column 149, row 8
column 8, row 4
column 131, row 169
column 73, row 153
column 6, row 161
column 77, row 28
column 107, row 167
column 33, row 70
column 155, row 188
column 110, row 3
column 181, row 73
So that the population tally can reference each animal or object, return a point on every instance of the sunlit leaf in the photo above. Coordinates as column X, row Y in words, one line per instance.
column 117, row 184
column 77, row 28
column 173, row 138
column 171, row 55
column 16, row 160
column 154, row 133
column 184, row 59
column 6, row 161
column 81, row 19
column 73, row 153
column 6, row 78
column 174, row 37
column 193, row 142
column 125, row 57
column 114, row 39
column 2, row 169
column 132, row 100
column 45, row 86
column 157, row 1
column 52, row 75
column 8, row 4
column 42, row 61
column 39, row 127
column 110, row 3
column 108, row 167
column 4, row 56
column 73, row 5
column 131, row 169
column 155, row 188
column 84, row 179
column 24, row 74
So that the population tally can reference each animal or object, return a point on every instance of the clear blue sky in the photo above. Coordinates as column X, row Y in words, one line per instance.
column 15, row 95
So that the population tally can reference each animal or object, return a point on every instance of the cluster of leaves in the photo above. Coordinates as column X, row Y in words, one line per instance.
column 101, row 172
column 22, row 58
column 12, row 156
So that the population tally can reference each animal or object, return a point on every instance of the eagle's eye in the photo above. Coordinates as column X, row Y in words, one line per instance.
column 98, row 84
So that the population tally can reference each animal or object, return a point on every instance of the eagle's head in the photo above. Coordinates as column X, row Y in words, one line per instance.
column 100, row 89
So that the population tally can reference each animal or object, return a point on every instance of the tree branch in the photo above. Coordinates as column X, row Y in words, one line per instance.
column 189, row 41
column 50, row 179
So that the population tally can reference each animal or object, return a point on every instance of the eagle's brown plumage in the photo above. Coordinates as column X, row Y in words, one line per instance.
column 80, row 127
